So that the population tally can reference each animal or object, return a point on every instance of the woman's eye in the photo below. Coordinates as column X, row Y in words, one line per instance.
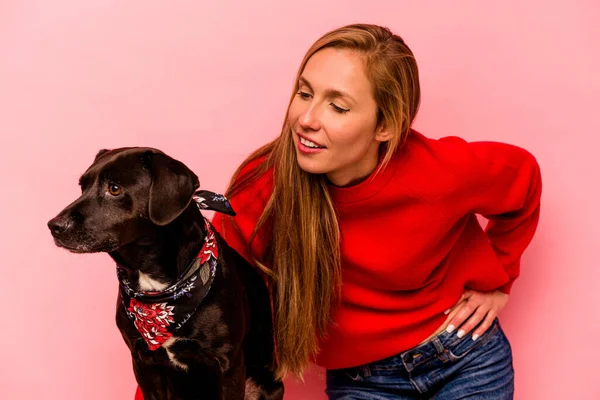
column 304, row 95
column 339, row 109
column 115, row 190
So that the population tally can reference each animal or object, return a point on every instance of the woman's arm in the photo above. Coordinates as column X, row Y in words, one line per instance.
column 506, row 190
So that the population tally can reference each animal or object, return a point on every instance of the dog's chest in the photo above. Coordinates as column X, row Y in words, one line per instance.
column 147, row 283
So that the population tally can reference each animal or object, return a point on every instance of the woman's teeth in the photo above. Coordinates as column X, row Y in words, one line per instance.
column 308, row 143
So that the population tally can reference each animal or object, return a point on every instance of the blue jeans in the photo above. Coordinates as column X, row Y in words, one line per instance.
column 445, row 368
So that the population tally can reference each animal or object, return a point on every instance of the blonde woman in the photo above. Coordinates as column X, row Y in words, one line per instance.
column 367, row 234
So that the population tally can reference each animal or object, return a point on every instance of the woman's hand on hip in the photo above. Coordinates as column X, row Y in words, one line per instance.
column 475, row 310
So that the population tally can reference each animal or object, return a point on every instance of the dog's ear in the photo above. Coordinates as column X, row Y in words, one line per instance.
column 100, row 153
column 173, row 185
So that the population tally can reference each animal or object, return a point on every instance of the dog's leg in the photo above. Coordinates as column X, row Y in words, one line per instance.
column 261, row 384
column 152, row 380
column 197, row 383
column 234, row 382
column 203, row 378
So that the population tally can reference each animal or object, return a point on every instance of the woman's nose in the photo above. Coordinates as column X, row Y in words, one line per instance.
column 309, row 119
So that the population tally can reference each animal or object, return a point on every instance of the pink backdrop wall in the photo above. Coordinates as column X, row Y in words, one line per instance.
column 208, row 82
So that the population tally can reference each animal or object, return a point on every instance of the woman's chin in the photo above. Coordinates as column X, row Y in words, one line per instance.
column 310, row 164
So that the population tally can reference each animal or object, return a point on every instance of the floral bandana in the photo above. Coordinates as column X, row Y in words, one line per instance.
column 157, row 314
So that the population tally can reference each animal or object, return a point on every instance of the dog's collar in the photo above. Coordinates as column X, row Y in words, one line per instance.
column 158, row 314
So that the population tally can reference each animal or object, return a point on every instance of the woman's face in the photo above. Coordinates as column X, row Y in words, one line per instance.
column 333, row 118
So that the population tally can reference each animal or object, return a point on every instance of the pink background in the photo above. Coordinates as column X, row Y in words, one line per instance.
column 208, row 82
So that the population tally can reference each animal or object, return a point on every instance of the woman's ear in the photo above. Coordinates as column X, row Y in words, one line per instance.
column 383, row 134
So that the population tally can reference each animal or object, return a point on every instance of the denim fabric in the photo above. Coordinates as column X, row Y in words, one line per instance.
column 445, row 367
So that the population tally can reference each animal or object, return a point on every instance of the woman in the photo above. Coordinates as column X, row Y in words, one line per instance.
column 367, row 233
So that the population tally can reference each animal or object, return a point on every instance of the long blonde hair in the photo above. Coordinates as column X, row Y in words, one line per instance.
column 302, row 258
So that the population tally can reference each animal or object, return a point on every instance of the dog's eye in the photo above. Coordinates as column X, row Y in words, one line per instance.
column 114, row 189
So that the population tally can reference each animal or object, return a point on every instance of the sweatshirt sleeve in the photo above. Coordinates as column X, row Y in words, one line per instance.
column 505, row 188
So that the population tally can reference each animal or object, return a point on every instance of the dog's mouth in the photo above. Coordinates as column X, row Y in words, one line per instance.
column 82, row 248
column 73, row 248
column 77, row 251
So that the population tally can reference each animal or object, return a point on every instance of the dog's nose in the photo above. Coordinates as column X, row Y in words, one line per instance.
column 59, row 225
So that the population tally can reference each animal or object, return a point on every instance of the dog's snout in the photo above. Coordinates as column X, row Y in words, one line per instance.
column 59, row 225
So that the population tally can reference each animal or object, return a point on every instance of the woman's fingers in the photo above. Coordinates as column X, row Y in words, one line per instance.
column 478, row 316
column 485, row 325
column 478, row 310
column 469, row 307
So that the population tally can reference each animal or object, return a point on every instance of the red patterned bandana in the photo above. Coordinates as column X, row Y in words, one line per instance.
column 158, row 314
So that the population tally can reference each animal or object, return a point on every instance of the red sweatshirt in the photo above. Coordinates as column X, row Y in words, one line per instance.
column 411, row 242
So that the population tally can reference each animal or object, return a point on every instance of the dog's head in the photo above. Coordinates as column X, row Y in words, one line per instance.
column 123, row 193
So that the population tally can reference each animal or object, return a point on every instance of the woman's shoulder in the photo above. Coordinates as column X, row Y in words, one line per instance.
column 451, row 165
column 252, row 187
column 454, row 153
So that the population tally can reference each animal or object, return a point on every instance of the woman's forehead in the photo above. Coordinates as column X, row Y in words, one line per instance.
column 338, row 70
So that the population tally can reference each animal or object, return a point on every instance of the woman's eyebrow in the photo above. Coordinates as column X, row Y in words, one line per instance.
column 328, row 92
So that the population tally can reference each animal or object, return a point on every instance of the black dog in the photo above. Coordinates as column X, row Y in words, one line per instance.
column 195, row 315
